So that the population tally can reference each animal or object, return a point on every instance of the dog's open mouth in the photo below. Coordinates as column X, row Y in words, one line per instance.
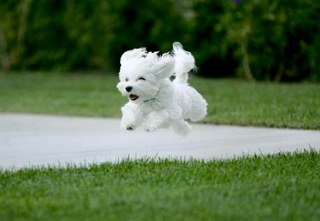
column 133, row 97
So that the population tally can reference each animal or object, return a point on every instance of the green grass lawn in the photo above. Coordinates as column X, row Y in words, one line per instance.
column 230, row 101
column 63, row 94
column 273, row 187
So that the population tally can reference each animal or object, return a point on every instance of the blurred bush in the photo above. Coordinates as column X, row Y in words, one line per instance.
column 258, row 39
column 54, row 34
column 68, row 35
column 264, row 40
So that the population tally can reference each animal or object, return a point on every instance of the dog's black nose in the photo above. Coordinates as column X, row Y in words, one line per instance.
column 128, row 88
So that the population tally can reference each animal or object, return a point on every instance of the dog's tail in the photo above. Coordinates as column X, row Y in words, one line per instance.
column 184, row 62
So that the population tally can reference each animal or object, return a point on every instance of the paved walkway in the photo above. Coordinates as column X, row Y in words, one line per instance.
column 33, row 140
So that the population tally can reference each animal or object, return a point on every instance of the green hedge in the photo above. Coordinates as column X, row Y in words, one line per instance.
column 82, row 35
column 263, row 40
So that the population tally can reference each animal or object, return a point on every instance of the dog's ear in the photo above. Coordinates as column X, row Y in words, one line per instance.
column 164, row 67
column 133, row 54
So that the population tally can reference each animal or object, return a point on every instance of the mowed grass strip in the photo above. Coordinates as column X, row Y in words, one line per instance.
column 272, row 187
column 292, row 105
column 237, row 102
column 61, row 94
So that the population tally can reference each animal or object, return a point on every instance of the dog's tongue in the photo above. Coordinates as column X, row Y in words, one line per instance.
column 133, row 97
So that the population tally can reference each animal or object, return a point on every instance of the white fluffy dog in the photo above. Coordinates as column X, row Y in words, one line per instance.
column 155, row 101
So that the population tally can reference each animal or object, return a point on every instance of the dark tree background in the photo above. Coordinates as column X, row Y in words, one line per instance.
column 275, row 40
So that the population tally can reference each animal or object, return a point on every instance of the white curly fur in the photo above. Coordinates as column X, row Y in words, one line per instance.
column 154, row 100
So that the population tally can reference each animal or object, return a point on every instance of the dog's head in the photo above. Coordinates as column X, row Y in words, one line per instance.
column 142, row 72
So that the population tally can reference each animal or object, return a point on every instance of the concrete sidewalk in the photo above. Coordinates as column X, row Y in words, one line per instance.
column 33, row 140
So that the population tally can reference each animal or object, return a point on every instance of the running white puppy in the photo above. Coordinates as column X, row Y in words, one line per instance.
column 155, row 101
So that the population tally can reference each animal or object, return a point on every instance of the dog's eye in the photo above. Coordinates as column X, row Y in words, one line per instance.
column 127, row 79
column 141, row 79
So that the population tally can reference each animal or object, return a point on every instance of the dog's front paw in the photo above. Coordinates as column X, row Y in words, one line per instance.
column 156, row 120
column 150, row 128
column 128, row 127
column 131, row 128
column 152, row 125
column 181, row 127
